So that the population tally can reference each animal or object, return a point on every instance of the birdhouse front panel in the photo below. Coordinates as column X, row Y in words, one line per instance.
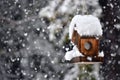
column 90, row 46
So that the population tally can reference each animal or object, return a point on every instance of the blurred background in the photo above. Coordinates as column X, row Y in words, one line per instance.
column 34, row 39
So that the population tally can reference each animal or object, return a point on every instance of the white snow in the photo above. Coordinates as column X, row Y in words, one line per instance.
column 85, row 25
column 89, row 58
column 25, row 34
column 73, row 53
column 118, row 62
column 111, row 5
column 47, row 12
column 117, row 26
column 101, row 54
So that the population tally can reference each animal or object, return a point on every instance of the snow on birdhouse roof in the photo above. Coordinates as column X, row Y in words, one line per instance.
column 85, row 25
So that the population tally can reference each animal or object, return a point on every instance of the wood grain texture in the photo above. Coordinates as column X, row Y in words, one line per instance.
column 94, row 47
column 80, row 42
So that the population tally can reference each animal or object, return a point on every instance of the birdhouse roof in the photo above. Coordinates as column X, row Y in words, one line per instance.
column 85, row 25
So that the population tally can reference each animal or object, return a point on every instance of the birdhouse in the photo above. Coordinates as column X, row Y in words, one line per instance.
column 85, row 32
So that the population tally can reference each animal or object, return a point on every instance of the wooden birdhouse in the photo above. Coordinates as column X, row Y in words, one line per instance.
column 85, row 32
